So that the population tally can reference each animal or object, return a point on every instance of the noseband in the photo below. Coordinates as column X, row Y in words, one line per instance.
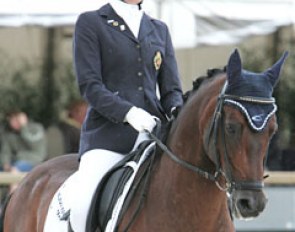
column 218, row 122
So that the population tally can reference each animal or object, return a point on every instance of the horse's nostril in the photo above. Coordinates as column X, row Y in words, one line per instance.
column 249, row 205
column 245, row 204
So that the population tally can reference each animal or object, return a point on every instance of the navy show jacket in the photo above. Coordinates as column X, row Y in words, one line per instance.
column 116, row 71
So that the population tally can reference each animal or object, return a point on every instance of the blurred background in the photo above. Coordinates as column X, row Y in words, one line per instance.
column 36, row 70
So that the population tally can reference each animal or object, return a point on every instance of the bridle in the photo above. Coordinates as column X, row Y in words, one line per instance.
column 218, row 122
column 217, row 126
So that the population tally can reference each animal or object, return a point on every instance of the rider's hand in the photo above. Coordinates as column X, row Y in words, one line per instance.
column 140, row 120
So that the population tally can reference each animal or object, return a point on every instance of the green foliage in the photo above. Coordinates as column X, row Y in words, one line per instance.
column 259, row 59
column 19, row 95
column 24, row 88
column 66, row 84
column 16, row 92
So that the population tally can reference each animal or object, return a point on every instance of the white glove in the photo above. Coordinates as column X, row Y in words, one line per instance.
column 140, row 120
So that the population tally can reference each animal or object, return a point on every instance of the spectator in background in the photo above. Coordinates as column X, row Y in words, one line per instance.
column 23, row 144
column 64, row 137
column 71, row 126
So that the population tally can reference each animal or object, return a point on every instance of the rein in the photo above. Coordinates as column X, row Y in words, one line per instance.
column 183, row 163
column 218, row 121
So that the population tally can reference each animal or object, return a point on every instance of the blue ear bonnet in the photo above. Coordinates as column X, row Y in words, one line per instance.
column 243, row 83
column 257, row 115
column 251, row 84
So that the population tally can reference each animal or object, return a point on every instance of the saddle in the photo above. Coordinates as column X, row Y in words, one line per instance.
column 113, row 194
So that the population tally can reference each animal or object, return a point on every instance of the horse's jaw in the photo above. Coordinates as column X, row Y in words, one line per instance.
column 247, row 205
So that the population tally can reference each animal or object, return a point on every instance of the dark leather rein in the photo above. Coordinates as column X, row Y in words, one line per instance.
column 218, row 122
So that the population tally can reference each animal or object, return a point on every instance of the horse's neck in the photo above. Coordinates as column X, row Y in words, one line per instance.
column 185, row 201
column 191, row 200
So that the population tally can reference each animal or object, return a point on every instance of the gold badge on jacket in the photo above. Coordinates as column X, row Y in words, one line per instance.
column 158, row 60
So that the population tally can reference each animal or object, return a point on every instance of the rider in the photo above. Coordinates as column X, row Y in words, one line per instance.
column 121, row 56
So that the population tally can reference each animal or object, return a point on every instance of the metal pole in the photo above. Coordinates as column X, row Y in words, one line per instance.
column 47, row 82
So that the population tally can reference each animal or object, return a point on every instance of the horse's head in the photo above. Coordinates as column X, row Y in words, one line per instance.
column 236, row 138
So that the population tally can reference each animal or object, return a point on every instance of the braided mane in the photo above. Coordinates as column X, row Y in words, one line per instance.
column 200, row 80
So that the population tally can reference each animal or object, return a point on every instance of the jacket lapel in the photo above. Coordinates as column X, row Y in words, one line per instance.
column 146, row 27
column 115, row 22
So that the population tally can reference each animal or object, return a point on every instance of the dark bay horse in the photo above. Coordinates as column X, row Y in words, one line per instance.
column 214, row 165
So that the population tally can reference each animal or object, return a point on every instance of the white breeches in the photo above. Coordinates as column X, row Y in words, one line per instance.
column 94, row 165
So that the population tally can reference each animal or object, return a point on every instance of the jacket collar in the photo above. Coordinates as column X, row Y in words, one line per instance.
column 117, row 23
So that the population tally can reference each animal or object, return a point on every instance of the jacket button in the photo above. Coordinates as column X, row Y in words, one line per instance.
column 140, row 88
column 139, row 74
column 139, row 59
column 138, row 46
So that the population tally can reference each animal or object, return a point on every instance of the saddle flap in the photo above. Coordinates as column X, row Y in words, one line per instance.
column 111, row 188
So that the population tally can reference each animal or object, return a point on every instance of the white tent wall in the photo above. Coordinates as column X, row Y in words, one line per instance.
column 27, row 44
column 22, row 43
column 16, row 13
column 195, row 62
column 203, row 32
column 192, row 22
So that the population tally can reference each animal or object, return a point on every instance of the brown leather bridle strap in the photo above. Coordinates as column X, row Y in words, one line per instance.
column 218, row 123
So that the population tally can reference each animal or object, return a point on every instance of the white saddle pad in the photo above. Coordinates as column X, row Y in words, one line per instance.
column 60, row 204
column 62, row 201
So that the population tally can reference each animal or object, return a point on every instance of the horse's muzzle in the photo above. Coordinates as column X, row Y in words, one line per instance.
column 247, row 204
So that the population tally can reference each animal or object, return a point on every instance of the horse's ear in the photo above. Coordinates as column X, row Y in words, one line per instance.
column 273, row 73
column 234, row 66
